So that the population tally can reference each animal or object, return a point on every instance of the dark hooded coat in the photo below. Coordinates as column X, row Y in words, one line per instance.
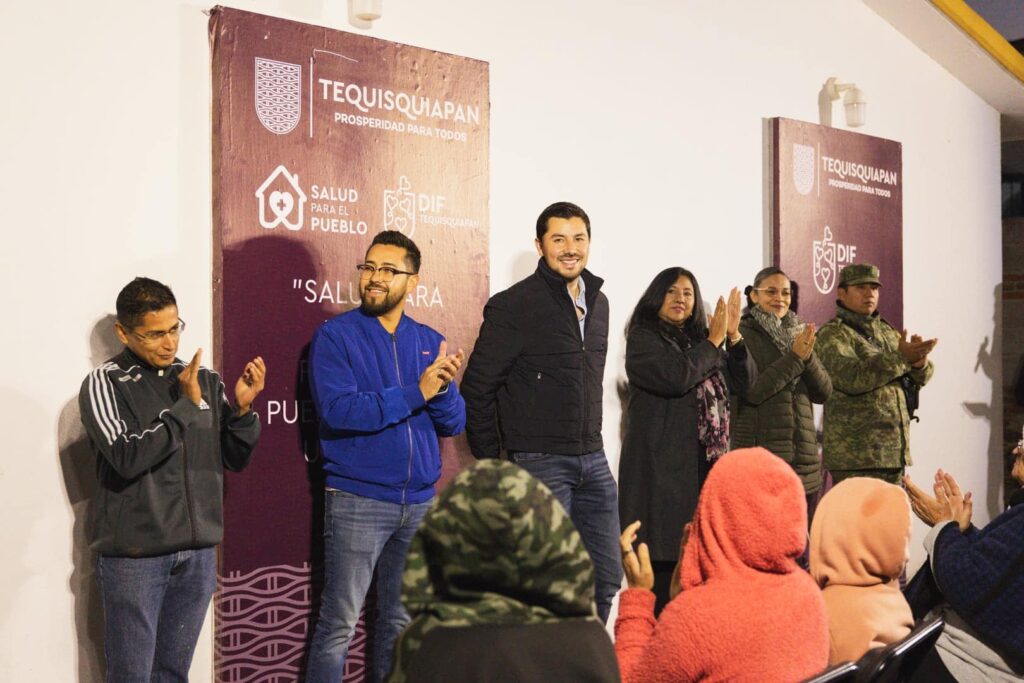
column 663, row 465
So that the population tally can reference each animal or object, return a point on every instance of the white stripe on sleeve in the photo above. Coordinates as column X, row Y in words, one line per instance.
column 98, row 399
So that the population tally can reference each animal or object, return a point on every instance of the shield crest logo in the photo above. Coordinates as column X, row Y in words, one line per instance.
column 824, row 259
column 278, row 95
column 400, row 208
column 803, row 168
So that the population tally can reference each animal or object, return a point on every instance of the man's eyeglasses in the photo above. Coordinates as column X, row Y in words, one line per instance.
column 773, row 292
column 155, row 337
column 387, row 273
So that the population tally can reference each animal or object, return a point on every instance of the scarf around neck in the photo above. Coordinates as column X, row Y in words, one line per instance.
column 712, row 404
column 782, row 330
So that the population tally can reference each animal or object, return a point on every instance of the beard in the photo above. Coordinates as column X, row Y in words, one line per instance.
column 381, row 306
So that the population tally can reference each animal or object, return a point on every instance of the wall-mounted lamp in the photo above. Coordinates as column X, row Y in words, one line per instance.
column 854, row 102
column 362, row 13
column 368, row 10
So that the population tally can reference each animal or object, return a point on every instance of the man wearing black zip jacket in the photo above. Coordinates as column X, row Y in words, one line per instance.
column 533, row 386
column 163, row 432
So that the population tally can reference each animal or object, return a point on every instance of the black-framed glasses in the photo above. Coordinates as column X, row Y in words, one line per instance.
column 387, row 273
column 156, row 336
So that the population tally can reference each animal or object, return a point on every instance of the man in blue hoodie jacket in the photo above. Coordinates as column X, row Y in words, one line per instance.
column 384, row 391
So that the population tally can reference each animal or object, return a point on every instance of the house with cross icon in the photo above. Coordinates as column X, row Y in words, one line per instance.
column 282, row 201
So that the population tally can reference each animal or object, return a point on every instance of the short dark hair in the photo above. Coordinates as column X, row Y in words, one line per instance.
column 141, row 296
column 396, row 239
column 564, row 210
column 646, row 311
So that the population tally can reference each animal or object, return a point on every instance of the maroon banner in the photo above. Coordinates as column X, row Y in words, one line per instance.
column 837, row 198
column 321, row 139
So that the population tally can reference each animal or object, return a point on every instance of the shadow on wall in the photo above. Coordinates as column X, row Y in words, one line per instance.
column 523, row 265
column 274, row 510
column 309, row 446
column 989, row 361
column 1013, row 413
column 78, row 465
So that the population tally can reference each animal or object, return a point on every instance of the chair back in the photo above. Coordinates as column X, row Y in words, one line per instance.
column 843, row 672
column 897, row 662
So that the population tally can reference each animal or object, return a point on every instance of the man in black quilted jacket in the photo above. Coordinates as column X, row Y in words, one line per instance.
column 533, row 386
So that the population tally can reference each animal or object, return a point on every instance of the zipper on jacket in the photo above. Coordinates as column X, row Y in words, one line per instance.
column 583, row 384
column 583, row 369
column 188, row 492
column 408, row 425
column 583, row 358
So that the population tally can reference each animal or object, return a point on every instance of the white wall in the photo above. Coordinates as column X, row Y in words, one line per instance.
column 651, row 120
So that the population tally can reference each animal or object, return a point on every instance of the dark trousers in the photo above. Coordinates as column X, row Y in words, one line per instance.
column 584, row 485
column 663, row 572
column 153, row 610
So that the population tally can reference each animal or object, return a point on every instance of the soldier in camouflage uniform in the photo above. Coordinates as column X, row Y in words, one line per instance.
column 495, row 548
column 867, row 425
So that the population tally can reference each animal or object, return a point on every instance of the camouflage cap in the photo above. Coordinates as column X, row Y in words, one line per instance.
column 859, row 274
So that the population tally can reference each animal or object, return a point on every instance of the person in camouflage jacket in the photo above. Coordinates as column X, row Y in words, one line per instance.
column 867, row 424
column 496, row 549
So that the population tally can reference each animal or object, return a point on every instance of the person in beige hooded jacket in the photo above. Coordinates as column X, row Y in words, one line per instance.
column 859, row 546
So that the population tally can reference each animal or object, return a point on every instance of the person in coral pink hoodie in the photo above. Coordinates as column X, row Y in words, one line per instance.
column 746, row 611
column 859, row 547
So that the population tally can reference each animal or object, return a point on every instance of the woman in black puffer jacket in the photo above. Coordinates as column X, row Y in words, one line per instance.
column 775, row 410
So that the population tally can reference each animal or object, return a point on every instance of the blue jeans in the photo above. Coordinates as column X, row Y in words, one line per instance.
column 584, row 485
column 153, row 610
column 360, row 535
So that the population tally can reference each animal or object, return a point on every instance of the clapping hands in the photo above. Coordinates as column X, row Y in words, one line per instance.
column 916, row 350
column 949, row 503
column 726, row 318
column 803, row 343
column 250, row 384
column 247, row 388
column 188, row 379
column 440, row 372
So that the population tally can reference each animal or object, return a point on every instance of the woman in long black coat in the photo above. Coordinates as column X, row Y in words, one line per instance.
column 681, row 368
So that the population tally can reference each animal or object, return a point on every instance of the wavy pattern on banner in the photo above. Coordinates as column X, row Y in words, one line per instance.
column 263, row 622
